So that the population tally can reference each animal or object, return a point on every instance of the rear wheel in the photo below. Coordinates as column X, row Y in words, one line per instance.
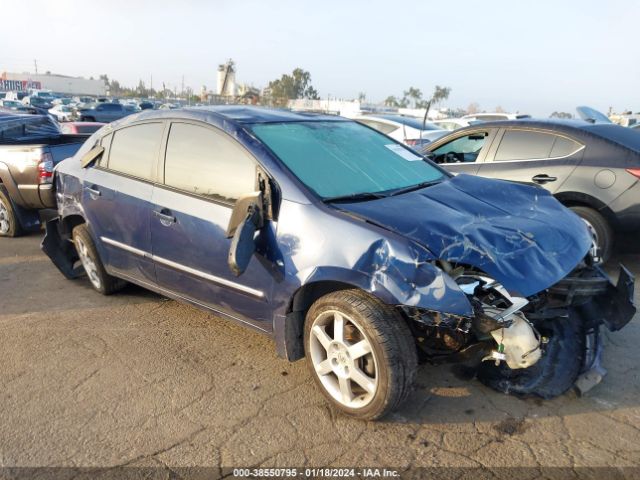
column 360, row 352
column 557, row 369
column 99, row 278
column 600, row 230
column 9, row 223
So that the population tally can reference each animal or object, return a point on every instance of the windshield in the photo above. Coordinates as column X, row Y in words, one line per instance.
column 337, row 159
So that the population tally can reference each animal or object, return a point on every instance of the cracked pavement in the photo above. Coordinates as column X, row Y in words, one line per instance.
column 136, row 379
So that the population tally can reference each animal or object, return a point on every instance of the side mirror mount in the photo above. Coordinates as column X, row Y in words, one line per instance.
column 91, row 156
column 246, row 218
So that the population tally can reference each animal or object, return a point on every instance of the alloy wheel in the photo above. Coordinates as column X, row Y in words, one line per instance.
column 343, row 359
column 88, row 263
column 595, row 244
column 5, row 224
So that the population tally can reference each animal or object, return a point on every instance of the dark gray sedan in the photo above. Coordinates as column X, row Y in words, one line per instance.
column 594, row 169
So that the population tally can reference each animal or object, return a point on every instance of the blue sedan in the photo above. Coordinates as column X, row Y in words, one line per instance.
column 345, row 246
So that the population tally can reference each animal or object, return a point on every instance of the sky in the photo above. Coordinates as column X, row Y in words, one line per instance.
column 528, row 57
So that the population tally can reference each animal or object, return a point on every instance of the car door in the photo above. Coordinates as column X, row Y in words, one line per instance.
column 464, row 152
column 533, row 156
column 205, row 171
column 116, row 198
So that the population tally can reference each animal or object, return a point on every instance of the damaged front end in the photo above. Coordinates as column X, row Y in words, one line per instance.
column 515, row 343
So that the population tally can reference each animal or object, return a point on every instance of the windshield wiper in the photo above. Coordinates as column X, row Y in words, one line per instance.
column 414, row 187
column 354, row 197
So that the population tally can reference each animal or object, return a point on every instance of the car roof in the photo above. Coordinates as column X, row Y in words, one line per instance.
column 622, row 136
column 553, row 123
column 238, row 114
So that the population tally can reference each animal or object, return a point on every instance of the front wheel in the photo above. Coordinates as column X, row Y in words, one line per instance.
column 557, row 369
column 98, row 276
column 360, row 352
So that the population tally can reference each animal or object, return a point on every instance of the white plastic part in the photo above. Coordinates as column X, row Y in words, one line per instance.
column 521, row 346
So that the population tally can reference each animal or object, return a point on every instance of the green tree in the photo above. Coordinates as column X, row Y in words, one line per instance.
column 289, row 87
column 412, row 95
column 391, row 101
column 440, row 94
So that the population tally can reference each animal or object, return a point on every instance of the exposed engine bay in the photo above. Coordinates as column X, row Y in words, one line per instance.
column 513, row 333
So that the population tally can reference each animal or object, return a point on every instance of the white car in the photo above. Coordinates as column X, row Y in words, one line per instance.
column 408, row 130
column 62, row 113
column 492, row 117
column 451, row 124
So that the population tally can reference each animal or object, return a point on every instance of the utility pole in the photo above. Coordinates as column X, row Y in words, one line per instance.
column 151, row 85
column 35, row 64
column 182, row 91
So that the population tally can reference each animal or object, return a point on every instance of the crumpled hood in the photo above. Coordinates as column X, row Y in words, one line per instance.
column 519, row 235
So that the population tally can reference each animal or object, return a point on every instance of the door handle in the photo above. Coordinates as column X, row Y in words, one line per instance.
column 165, row 216
column 543, row 178
column 94, row 192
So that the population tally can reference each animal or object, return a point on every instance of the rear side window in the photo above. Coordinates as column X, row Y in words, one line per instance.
column 206, row 162
column 530, row 145
column 524, row 145
column 134, row 150
column 563, row 147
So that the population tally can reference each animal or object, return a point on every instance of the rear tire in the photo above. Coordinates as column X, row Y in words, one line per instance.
column 557, row 369
column 600, row 229
column 367, row 369
column 9, row 223
column 93, row 267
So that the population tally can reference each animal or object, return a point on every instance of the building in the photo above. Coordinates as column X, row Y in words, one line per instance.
column 226, row 84
column 56, row 83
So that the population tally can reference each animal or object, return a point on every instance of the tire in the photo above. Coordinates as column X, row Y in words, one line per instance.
column 557, row 369
column 87, row 119
column 377, row 349
column 600, row 228
column 9, row 223
column 93, row 267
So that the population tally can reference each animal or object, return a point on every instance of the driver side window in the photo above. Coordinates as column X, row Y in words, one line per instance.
column 461, row 150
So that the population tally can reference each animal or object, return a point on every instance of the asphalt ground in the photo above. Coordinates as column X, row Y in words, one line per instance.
column 137, row 380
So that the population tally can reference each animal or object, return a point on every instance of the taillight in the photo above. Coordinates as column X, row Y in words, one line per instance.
column 412, row 142
column 45, row 168
column 634, row 171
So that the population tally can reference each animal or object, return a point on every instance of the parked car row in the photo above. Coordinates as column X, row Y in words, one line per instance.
column 65, row 108
column 345, row 245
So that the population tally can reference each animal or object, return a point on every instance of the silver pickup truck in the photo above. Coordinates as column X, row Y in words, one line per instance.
column 30, row 146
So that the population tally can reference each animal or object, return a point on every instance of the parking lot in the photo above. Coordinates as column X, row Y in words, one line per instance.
column 138, row 380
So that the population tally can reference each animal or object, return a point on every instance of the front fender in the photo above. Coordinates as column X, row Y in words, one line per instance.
column 398, row 281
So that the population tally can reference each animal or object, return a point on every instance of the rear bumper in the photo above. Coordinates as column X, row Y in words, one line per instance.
column 626, row 209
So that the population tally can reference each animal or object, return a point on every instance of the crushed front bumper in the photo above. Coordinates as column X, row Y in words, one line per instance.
column 602, row 301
